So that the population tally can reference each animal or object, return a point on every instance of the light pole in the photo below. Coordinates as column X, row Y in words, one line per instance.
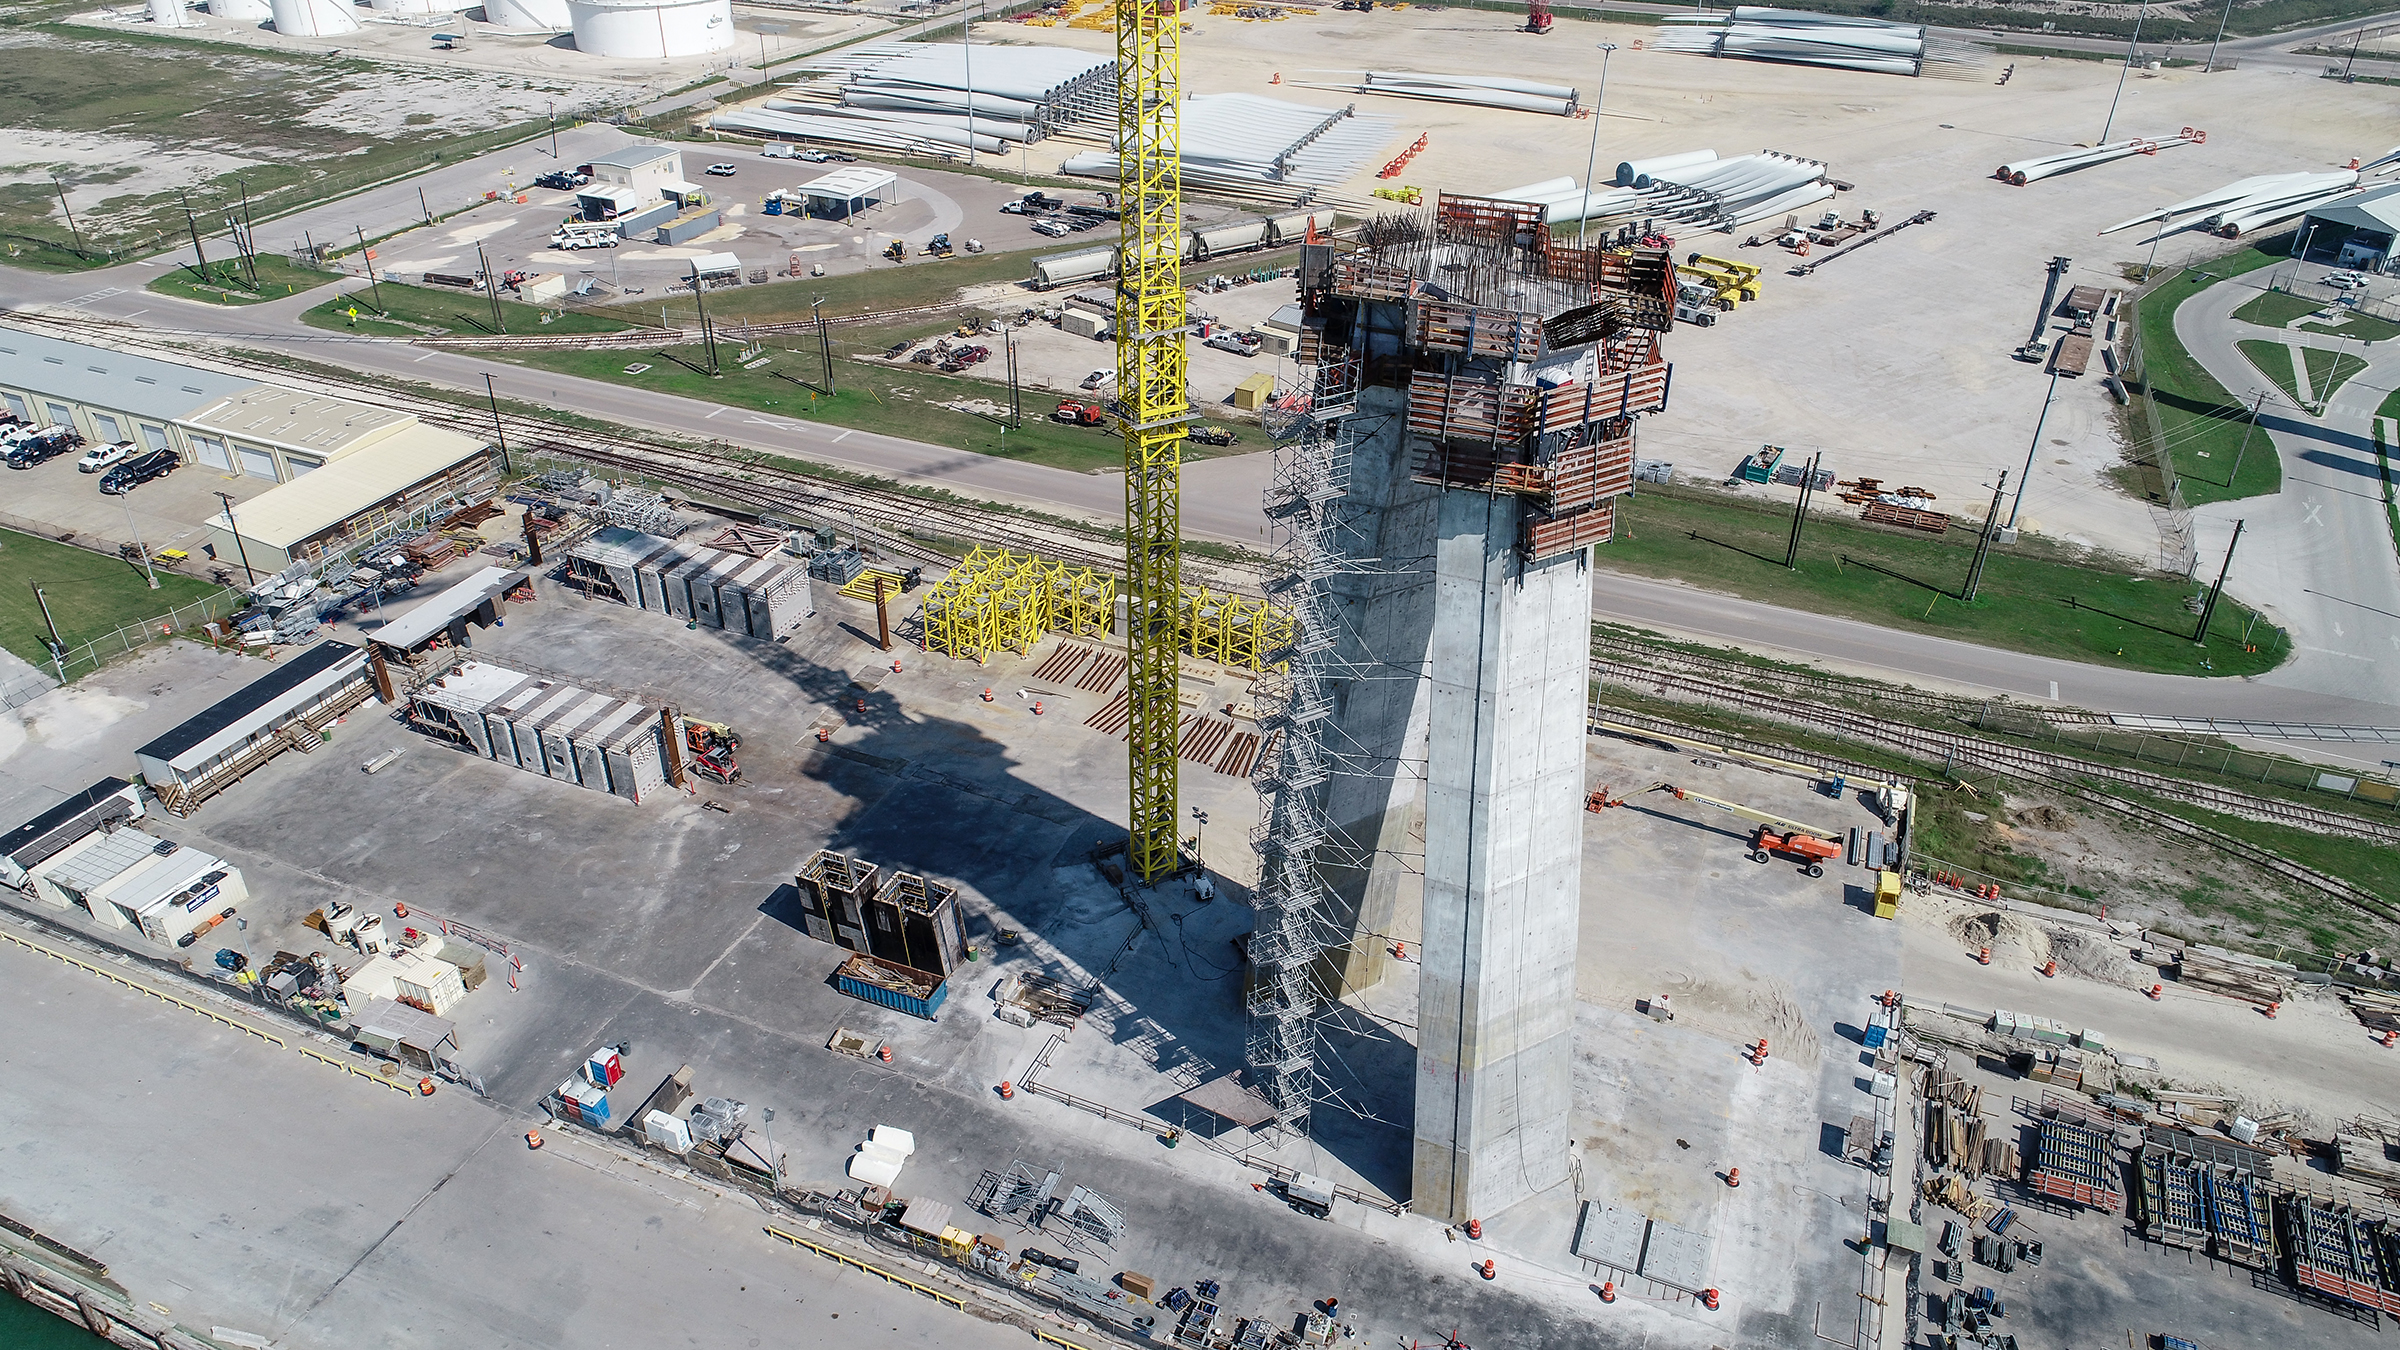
column 58, row 649
column 147, row 570
column 236, row 531
column 774, row 1169
column 1591, row 157
column 2038, row 424
column 2220, row 37
column 2130, row 49
column 1199, row 827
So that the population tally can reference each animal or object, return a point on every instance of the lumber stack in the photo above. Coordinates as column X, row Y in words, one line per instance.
column 2375, row 1009
column 2235, row 977
column 2365, row 1158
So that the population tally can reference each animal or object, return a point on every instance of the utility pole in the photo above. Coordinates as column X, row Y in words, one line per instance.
column 491, row 289
column 2038, row 424
column 2258, row 403
column 708, row 332
column 368, row 256
column 554, row 117
column 2130, row 49
column 1016, row 391
column 58, row 649
column 1983, row 546
column 249, row 235
column 816, row 310
column 193, row 227
column 126, row 501
column 499, row 433
column 1808, row 483
column 62, row 205
column 236, row 531
column 1591, row 155
column 2220, row 37
column 2209, row 611
column 426, row 207
column 2354, row 41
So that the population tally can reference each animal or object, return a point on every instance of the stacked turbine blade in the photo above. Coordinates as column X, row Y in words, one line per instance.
column 1241, row 142
column 1798, row 37
column 2250, row 203
column 937, row 99
column 1693, row 188
column 2023, row 171
column 1487, row 91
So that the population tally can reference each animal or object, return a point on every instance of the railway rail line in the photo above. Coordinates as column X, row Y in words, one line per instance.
column 2061, row 774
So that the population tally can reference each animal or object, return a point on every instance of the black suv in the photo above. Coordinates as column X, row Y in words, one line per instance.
column 48, row 445
column 134, row 472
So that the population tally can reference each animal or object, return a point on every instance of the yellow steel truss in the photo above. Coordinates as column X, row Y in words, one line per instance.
column 1150, row 381
column 1233, row 630
column 997, row 601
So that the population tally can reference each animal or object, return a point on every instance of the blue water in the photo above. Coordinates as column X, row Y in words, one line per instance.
column 26, row 1327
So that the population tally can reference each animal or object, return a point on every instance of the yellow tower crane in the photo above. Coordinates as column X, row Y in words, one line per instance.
column 1152, row 410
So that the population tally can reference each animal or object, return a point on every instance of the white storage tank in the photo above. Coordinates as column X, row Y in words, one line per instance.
column 246, row 11
column 534, row 16
column 420, row 6
column 170, row 14
column 313, row 18
column 651, row 29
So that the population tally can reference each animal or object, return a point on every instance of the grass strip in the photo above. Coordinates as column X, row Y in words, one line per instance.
column 228, row 282
column 2035, row 597
column 90, row 595
column 2201, row 423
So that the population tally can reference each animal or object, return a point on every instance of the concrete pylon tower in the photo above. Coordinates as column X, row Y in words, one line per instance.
column 1475, row 384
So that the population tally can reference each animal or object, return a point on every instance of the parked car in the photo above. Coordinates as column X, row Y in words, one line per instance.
column 561, row 180
column 1240, row 344
column 1049, row 227
column 134, row 472
column 105, row 457
column 2344, row 280
column 1098, row 378
column 48, row 443
column 721, row 170
column 839, row 157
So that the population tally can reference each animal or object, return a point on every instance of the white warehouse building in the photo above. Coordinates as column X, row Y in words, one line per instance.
column 653, row 30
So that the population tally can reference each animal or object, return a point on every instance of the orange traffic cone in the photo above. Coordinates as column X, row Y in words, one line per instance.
column 1008, row 1091
column 895, row 665
column 399, row 911
column 987, row 694
column 1708, row 1297
column 2390, row 1039
column 2157, row 992
column 1475, row 1229
column 1984, row 957
column 533, row 1139
column 1488, row 1270
column 2050, row 969
column 1037, row 707
column 424, row 1087
column 1733, row 1178
column 862, row 705
column 2270, row 1008
column 884, row 1053
column 824, row 734
column 1608, row 1291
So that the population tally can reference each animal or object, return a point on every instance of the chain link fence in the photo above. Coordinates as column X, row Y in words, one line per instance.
column 2216, row 757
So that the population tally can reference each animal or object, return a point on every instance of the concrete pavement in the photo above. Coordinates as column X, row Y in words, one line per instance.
column 2322, row 548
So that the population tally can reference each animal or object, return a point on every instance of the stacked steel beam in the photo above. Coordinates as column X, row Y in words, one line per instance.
column 1798, row 37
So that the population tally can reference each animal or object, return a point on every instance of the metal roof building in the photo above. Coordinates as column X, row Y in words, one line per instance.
column 846, row 192
column 2355, row 232
column 354, row 498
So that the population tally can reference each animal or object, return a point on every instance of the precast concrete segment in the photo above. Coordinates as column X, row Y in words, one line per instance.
column 1503, row 865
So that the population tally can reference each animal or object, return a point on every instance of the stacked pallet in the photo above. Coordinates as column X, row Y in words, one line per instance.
column 2250, row 980
column 1950, row 1192
column 2367, row 1159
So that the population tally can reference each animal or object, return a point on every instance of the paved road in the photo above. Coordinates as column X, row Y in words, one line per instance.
column 2334, row 680
column 306, row 1205
column 2323, row 546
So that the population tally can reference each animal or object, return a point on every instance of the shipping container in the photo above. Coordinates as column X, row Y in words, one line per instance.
column 892, row 985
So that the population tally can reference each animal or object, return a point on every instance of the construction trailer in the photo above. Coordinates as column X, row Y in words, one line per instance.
column 126, row 879
column 104, row 805
column 599, row 741
column 740, row 581
column 481, row 600
column 288, row 707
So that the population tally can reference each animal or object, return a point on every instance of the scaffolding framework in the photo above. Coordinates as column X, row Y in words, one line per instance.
column 1232, row 630
column 1151, row 320
column 996, row 601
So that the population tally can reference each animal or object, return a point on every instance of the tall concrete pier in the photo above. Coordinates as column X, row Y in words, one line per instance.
column 1461, row 430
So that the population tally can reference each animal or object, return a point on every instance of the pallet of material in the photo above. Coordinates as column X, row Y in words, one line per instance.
column 1907, row 518
column 2077, row 1164
column 2375, row 1010
column 2365, row 1158
column 2337, row 1253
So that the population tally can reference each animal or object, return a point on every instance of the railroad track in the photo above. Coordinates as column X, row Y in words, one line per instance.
column 894, row 520
column 727, row 331
column 2060, row 773
column 1634, row 651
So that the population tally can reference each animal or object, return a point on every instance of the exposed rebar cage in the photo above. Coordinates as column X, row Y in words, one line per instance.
column 1151, row 319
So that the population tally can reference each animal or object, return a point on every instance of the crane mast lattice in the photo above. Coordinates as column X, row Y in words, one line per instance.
column 1153, row 411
